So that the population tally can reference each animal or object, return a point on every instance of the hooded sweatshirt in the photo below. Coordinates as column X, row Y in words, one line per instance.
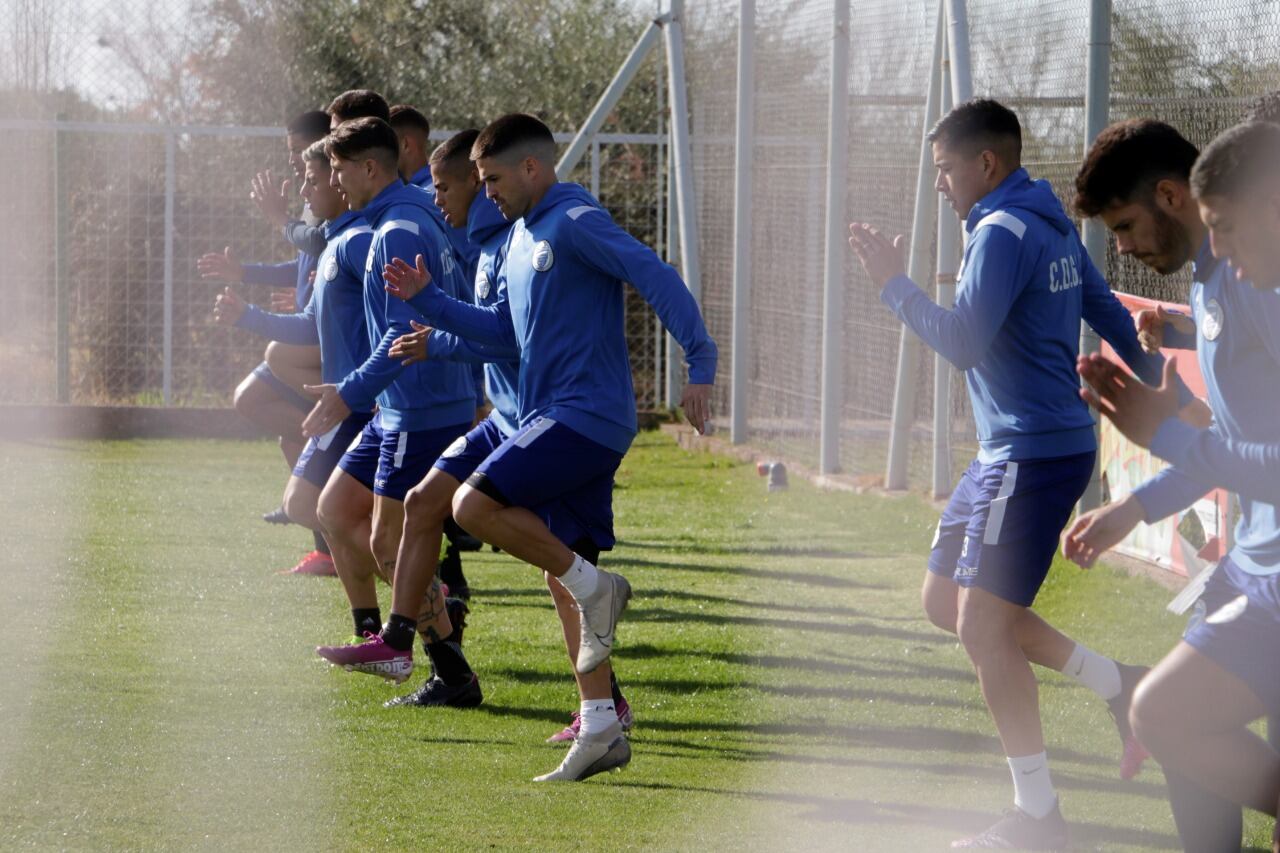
column 1024, row 284
column 565, row 267
column 430, row 394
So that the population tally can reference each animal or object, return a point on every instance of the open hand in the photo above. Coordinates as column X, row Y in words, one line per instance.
column 1136, row 409
column 404, row 281
column 881, row 257
column 224, row 266
column 1100, row 530
column 228, row 308
column 284, row 301
column 412, row 347
column 1151, row 322
column 273, row 203
column 329, row 411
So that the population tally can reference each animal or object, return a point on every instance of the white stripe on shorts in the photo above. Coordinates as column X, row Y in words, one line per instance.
column 402, row 444
column 531, row 435
column 995, row 516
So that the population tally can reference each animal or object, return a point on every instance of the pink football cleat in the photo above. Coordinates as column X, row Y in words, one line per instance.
column 315, row 565
column 372, row 656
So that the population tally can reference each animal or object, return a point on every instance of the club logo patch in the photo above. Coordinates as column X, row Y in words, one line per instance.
column 1229, row 612
column 447, row 263
column 1211, row 319
column 456, row 449
column 482, row 284
column 330, row 268
column 543, row 257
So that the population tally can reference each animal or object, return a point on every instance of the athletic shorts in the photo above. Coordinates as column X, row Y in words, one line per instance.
column 563, row 477
column 391, row 462
column 1001, row 527
column 1240, row 631
column 321, row 453
column 461, row 459
column 283, row 389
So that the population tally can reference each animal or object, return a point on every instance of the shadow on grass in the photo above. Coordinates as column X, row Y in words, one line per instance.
column 806, row 578
column 648, row 651
column 848, row 810
column 753, row 550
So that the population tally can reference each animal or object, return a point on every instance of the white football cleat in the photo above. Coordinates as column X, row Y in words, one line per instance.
column 600, row 612
column 587, row 757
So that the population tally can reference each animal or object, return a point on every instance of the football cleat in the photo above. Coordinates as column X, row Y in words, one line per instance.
column 1018, row 830
column 314, row 565
column 277, row 516
column 570, row 732
column 600, row 612
column 371, row 656
column 435, row 693
column 589, row 756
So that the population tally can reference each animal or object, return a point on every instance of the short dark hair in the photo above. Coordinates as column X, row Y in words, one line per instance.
column 1265, row 108
column 316, row 152
column 360, row 138
column 405, row 117
column 517, row 134
column 1244, row 157
column 359, row 103
column 311, row 125
column 455, row 151
column 977, row 125
column 1127, row 160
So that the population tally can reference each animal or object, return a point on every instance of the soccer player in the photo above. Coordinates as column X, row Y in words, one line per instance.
column 422, row 408
column 1230, row 651
column 1025, row 283
column 333, row 319
column 550, row 483
column 262, row 397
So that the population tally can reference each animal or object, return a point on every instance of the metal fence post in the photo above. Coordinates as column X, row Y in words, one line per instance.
column 1096, row 115
column 61, row 284
column 660, row 236
column 948, row 248
column 742, row 166
column 922, row 220
column 595, row 168
column 170, row 181
column 833, row 281
column 671, row 358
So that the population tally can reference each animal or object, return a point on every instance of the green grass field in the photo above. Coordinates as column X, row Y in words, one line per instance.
column 160, row 690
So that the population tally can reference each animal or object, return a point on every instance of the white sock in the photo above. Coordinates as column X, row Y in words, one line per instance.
column 581, row 579
column 1032, row 789
column 597, row 716
column 1100, row 674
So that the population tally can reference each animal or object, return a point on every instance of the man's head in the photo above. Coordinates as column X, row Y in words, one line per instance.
column 1136, row 179
column 1237, row 184
column 515, row 158
column 362, row 159
column 455, row 177
column 414, row 132
column 1265, row 108
column 326, row 200
column 357, row 103
column 975, row 147
column 304, row 130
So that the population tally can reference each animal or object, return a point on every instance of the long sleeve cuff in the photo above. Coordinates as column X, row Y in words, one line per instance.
column 1172, row 439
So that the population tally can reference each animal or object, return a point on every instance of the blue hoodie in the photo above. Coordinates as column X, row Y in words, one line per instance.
column 1238, row 349
column 566, row 263
column 1024, row 284
column 487, row 230
column 458, row 238
column 430, row 394
column 334, row 318
column 295, row 274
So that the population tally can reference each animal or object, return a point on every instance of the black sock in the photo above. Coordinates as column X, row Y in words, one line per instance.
column 449, row 662
column 367, row 619
column 613, row 686
column 450, row 569
column 321, row 545
column 398, row 632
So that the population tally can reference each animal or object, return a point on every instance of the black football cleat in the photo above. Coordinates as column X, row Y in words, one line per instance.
column 435, row 693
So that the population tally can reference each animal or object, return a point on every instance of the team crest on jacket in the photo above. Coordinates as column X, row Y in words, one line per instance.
column 330, row 268
column 543, row 257
column 1211, row 320
column 482, row 284
column 447, row 263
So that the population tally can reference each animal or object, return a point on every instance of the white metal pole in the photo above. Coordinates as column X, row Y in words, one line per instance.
column 660, row 191
column 948, row 252
column 1096, row 115
column 595, row 168
column 958, row 51
column 170, row 180
column 671, row 360
column 922, row 221
column 833, row 263
column 742, row 166
column 612, row 93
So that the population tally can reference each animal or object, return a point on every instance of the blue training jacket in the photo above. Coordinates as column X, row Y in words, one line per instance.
column 1024, row 284
column 487, row 230
column 430, row 394
column 334, row 317
column 458, row 237
column 1238, row 348
column 565, row 265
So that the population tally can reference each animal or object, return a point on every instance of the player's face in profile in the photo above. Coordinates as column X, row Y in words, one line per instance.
column 506, row 185
column 296, row 146
column 1246, row 231
column 961, row 178
column 354, row 178
column 326, row 201
column 455, row 190
column 1147, row 233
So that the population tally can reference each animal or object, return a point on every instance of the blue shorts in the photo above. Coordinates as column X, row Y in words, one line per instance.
column 391, row 462
column 461, row 459
column 1241, row 629
column 283, row 389
column 321, row 454
column 1001, row 527
column 563, row 477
